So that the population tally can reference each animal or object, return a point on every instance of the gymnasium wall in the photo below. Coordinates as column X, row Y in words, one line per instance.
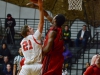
column 17, row 12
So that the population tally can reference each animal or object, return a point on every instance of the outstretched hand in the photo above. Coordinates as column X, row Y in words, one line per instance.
column 32, row 2
column 35, row 3
column 40, row 2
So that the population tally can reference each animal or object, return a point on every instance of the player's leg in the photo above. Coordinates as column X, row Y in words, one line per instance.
column 36, row 69
column 25, row 70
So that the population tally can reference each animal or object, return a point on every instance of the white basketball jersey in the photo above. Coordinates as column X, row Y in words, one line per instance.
column 31, row 48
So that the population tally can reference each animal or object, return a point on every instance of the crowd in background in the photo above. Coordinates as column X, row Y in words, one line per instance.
column 11, row 66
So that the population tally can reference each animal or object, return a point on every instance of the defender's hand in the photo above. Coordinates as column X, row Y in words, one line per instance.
column 29, row 3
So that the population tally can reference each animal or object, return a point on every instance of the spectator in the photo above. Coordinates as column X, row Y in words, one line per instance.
column 17, row 59
column 8, row 70
column 84, row 69
column 67, row 56
column 4, row 51
column 6, row 60
column 67, row 35
column 9, row 26
column 95, row 68
column 82, row 37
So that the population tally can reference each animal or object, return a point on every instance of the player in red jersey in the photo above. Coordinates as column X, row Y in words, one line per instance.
column 53, row 46
column 94, row 69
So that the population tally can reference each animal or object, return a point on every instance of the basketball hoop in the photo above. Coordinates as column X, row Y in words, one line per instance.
column 75, row 5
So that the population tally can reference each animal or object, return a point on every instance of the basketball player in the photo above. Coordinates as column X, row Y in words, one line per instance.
column 31, row 47
column 53, row 46
column 94, row 69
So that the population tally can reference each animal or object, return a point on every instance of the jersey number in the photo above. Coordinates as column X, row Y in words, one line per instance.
column 27, row 45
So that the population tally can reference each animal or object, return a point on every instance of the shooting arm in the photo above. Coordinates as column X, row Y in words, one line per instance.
column 52, row 36
column 41, row 22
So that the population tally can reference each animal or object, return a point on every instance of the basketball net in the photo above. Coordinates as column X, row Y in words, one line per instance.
column 75, row 5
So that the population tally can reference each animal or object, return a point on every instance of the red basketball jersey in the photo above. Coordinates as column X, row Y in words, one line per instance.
column 52, row 63
column 58, row 42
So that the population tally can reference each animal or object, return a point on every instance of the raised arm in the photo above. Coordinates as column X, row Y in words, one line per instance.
column 41, row 22
column 52, row 36
column 48, row 16
column 45, row 12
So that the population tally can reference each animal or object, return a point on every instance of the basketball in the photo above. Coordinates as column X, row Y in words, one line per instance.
column 34, row 1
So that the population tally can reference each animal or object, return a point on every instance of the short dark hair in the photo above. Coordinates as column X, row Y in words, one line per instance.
column 84, row 25
column 8, row 15
column 24, row 30
column 60, row 19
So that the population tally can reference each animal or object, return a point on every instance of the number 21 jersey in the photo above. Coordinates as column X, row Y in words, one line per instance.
column 31, row 48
